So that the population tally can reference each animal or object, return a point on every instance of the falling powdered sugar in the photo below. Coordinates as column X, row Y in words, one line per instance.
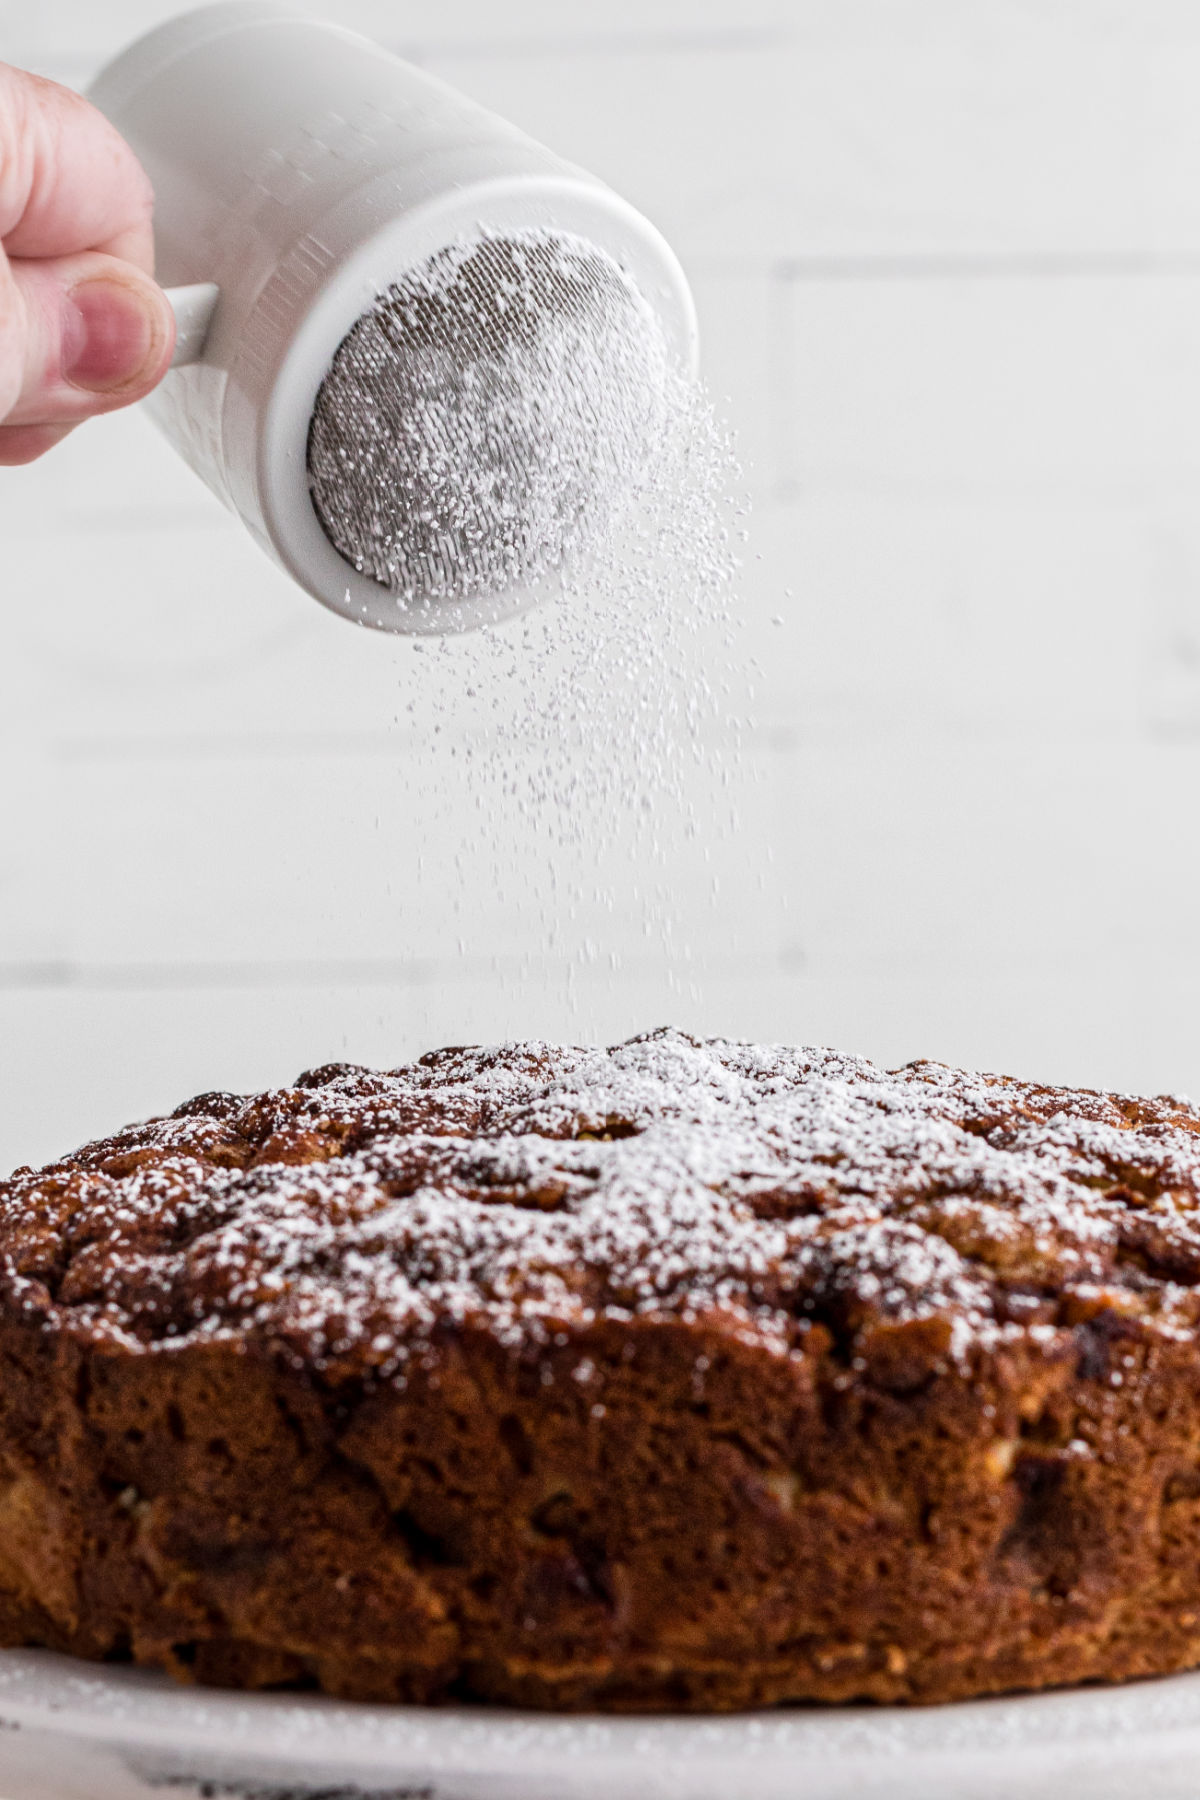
column 510, row 424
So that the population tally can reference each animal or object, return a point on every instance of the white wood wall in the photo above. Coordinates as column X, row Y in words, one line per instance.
column 947, row 256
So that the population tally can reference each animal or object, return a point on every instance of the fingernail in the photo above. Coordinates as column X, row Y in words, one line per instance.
column 112, row 338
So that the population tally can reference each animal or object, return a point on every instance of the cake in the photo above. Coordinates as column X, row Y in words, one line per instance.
column 682, row 1375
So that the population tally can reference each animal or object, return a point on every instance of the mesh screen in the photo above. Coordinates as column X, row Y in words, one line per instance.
column 479, row 424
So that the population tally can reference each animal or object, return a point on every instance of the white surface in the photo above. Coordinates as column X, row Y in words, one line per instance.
column 947, row 261
column 69, row 1731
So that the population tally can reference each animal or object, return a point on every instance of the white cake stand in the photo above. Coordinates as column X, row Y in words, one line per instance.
column 69, row 1731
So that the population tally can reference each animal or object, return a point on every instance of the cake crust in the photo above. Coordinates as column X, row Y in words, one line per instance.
column 682, row 1375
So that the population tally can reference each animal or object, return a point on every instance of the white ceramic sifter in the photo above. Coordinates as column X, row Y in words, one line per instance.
column 352, row 249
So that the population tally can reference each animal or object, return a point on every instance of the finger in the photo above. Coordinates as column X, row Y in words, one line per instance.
column 68, row 180
column 25, row 443
column 85, row 334
column 135, row 246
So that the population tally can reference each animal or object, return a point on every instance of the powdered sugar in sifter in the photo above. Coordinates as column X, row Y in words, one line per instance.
column 414, row 345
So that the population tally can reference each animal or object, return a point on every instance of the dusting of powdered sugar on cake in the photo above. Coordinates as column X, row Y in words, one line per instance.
column 530, row 1191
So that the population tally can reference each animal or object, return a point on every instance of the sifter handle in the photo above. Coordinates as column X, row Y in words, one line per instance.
column 193, row 307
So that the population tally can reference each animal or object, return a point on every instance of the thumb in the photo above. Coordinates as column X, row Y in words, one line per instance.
column 79, row 335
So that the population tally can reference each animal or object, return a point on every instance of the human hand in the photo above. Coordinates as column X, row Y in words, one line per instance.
column 84, row 328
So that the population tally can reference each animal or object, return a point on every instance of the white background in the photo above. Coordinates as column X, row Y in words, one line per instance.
column 947, row 259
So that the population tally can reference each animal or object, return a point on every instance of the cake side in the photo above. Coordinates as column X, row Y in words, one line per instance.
column 679, row 1375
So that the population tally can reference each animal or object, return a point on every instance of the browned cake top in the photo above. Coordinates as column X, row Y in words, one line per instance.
column 530, row 1189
